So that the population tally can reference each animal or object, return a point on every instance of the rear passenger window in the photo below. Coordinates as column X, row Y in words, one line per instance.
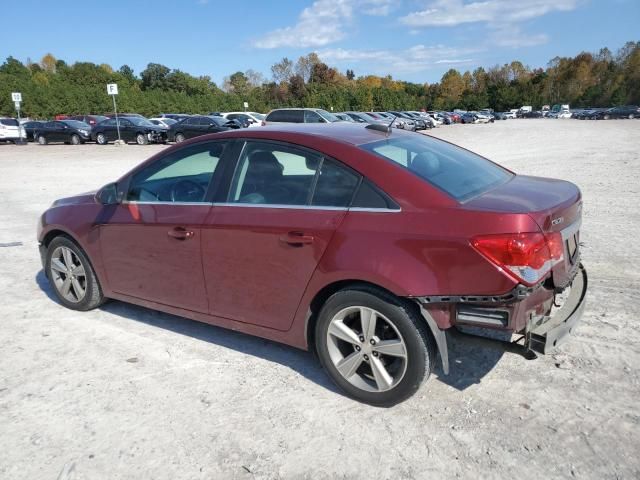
column 335, row 185
column 273, row 174
column 312, row 117
column 369, row 196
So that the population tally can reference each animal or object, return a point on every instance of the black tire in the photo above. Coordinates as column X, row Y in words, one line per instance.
column 141, row 139
column 42, row 140
column 179, row 138
column 101, row 139
column 420, row 347
column 93, row 296
column 75, row 139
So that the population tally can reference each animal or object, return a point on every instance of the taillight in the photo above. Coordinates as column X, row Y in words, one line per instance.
column 527, row 257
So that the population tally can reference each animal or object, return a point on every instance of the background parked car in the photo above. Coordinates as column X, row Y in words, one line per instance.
column 248, row 119
column 66, row 131
column 409, row 122
column 300, row 115
column 199, row 125
column 10, row 130
column 30, row 128
column 92, row 120
column 626, row 111
column 174, row 116
column 132, row 129
column 344, row 117
column 163, row 122
column 363, row 117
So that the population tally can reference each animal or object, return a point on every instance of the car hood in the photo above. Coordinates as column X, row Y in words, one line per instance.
column 80, row 199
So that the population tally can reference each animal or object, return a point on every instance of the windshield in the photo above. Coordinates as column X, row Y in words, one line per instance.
column 457, row 172
column 329, row 117
column 140, row 121
column 9, row 122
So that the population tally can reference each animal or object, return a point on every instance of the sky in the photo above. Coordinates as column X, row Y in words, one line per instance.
column 413, row 40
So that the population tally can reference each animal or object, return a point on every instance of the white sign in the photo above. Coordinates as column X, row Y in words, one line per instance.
column 17, row 104
column 16, row 96
column 246, row 104
column 112, row 88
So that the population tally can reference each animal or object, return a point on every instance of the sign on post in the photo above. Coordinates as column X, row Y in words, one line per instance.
column 17, row 98
column 246, row 105
column 112, row 89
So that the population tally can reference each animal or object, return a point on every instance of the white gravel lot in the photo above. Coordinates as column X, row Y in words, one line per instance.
column 123, row 392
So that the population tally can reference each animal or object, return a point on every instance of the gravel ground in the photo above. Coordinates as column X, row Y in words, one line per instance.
column 125, row 392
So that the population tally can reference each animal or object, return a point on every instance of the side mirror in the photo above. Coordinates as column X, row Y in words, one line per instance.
column 109, row 195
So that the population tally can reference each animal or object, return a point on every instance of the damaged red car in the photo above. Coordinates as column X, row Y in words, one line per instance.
column 367, row 245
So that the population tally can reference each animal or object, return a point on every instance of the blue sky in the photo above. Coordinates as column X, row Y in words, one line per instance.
column 415, row 40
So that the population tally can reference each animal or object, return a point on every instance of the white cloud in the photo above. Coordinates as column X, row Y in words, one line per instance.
column 415, row 59
column 322, row 23
column 511, row 36
column 449, row 13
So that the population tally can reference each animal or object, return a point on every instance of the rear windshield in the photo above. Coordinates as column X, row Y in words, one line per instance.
column 9, row 121
column 457, row 172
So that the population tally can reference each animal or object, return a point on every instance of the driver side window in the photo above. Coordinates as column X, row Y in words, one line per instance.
column 182, row 176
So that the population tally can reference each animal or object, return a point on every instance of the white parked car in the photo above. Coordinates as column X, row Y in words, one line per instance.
column 510, row 114
column 483, row 117
column 250, row 119
column 163, row 122
column 564, row 114
column 10, row 131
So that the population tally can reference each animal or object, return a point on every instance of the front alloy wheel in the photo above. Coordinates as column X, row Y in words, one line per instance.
column 373, row 345
column 71, row 275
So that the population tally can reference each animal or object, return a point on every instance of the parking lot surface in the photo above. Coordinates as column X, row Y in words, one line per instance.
column 124, row 392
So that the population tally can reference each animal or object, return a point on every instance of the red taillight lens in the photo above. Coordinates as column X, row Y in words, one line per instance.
column 527, row 257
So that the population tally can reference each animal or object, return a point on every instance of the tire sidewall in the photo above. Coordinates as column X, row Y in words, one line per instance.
column 419, row 359
column 179, row 138
column 75, row 139
column 141, row 139
column 101, row 139
column 92, row 285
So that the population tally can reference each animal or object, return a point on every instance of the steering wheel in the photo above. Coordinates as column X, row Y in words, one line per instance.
column 187, row 191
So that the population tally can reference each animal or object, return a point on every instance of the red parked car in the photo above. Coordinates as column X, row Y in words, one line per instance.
column 364, row 244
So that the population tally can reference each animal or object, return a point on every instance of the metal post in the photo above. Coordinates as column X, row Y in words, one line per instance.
column 19, row 125
column 115, row 110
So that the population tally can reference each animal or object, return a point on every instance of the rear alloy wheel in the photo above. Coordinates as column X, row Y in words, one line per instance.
column 373, row 346
column 101, row 139
column 72, row 276
column 42, row 140
column 179, row 138
column 606, row 117
column 141, row 139
column 75, row 139
column 631, row 116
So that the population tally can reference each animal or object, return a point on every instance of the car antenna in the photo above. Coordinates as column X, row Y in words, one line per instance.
column 382, row 128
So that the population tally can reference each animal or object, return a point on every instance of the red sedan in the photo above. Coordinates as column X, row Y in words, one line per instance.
column 367, row 245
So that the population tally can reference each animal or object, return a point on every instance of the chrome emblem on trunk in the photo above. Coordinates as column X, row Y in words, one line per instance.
column 557, row 221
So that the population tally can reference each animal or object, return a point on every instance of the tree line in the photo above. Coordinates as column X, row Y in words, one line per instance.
column 51, row 86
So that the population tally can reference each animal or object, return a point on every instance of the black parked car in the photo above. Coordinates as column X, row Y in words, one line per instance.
column 30, row 129
column 132, row 129
column 199, row 125
column 625, row 111
column 67, row 131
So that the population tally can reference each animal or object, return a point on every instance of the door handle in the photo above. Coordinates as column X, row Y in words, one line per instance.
column 296, row 239
column 181, row 233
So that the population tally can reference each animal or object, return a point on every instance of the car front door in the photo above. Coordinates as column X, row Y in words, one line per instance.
column 150, row 242
column 264, row 239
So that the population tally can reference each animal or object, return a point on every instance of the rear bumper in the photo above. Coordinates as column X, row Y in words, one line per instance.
column 544, row 334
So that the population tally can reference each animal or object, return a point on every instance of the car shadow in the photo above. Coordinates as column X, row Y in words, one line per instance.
column 470, row 360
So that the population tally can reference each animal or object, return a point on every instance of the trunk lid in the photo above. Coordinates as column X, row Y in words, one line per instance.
column 555, row 205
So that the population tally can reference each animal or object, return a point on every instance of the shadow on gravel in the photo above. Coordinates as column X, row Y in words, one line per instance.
column 298, row 360
column 470, row 359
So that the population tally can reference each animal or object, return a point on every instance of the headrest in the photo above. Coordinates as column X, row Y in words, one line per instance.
column 426, row 164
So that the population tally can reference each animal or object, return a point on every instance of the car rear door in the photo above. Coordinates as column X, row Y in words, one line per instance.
column 151, row 242
column 264, row 239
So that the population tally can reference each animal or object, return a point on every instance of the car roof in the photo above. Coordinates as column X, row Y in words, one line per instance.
column 342, row 132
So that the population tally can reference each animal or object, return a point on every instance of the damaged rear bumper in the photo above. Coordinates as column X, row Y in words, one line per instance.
column 544, row 334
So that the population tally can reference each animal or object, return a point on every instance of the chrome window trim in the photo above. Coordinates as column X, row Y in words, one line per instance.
column 278, row 205
column 135, row 202
column 375, row 210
